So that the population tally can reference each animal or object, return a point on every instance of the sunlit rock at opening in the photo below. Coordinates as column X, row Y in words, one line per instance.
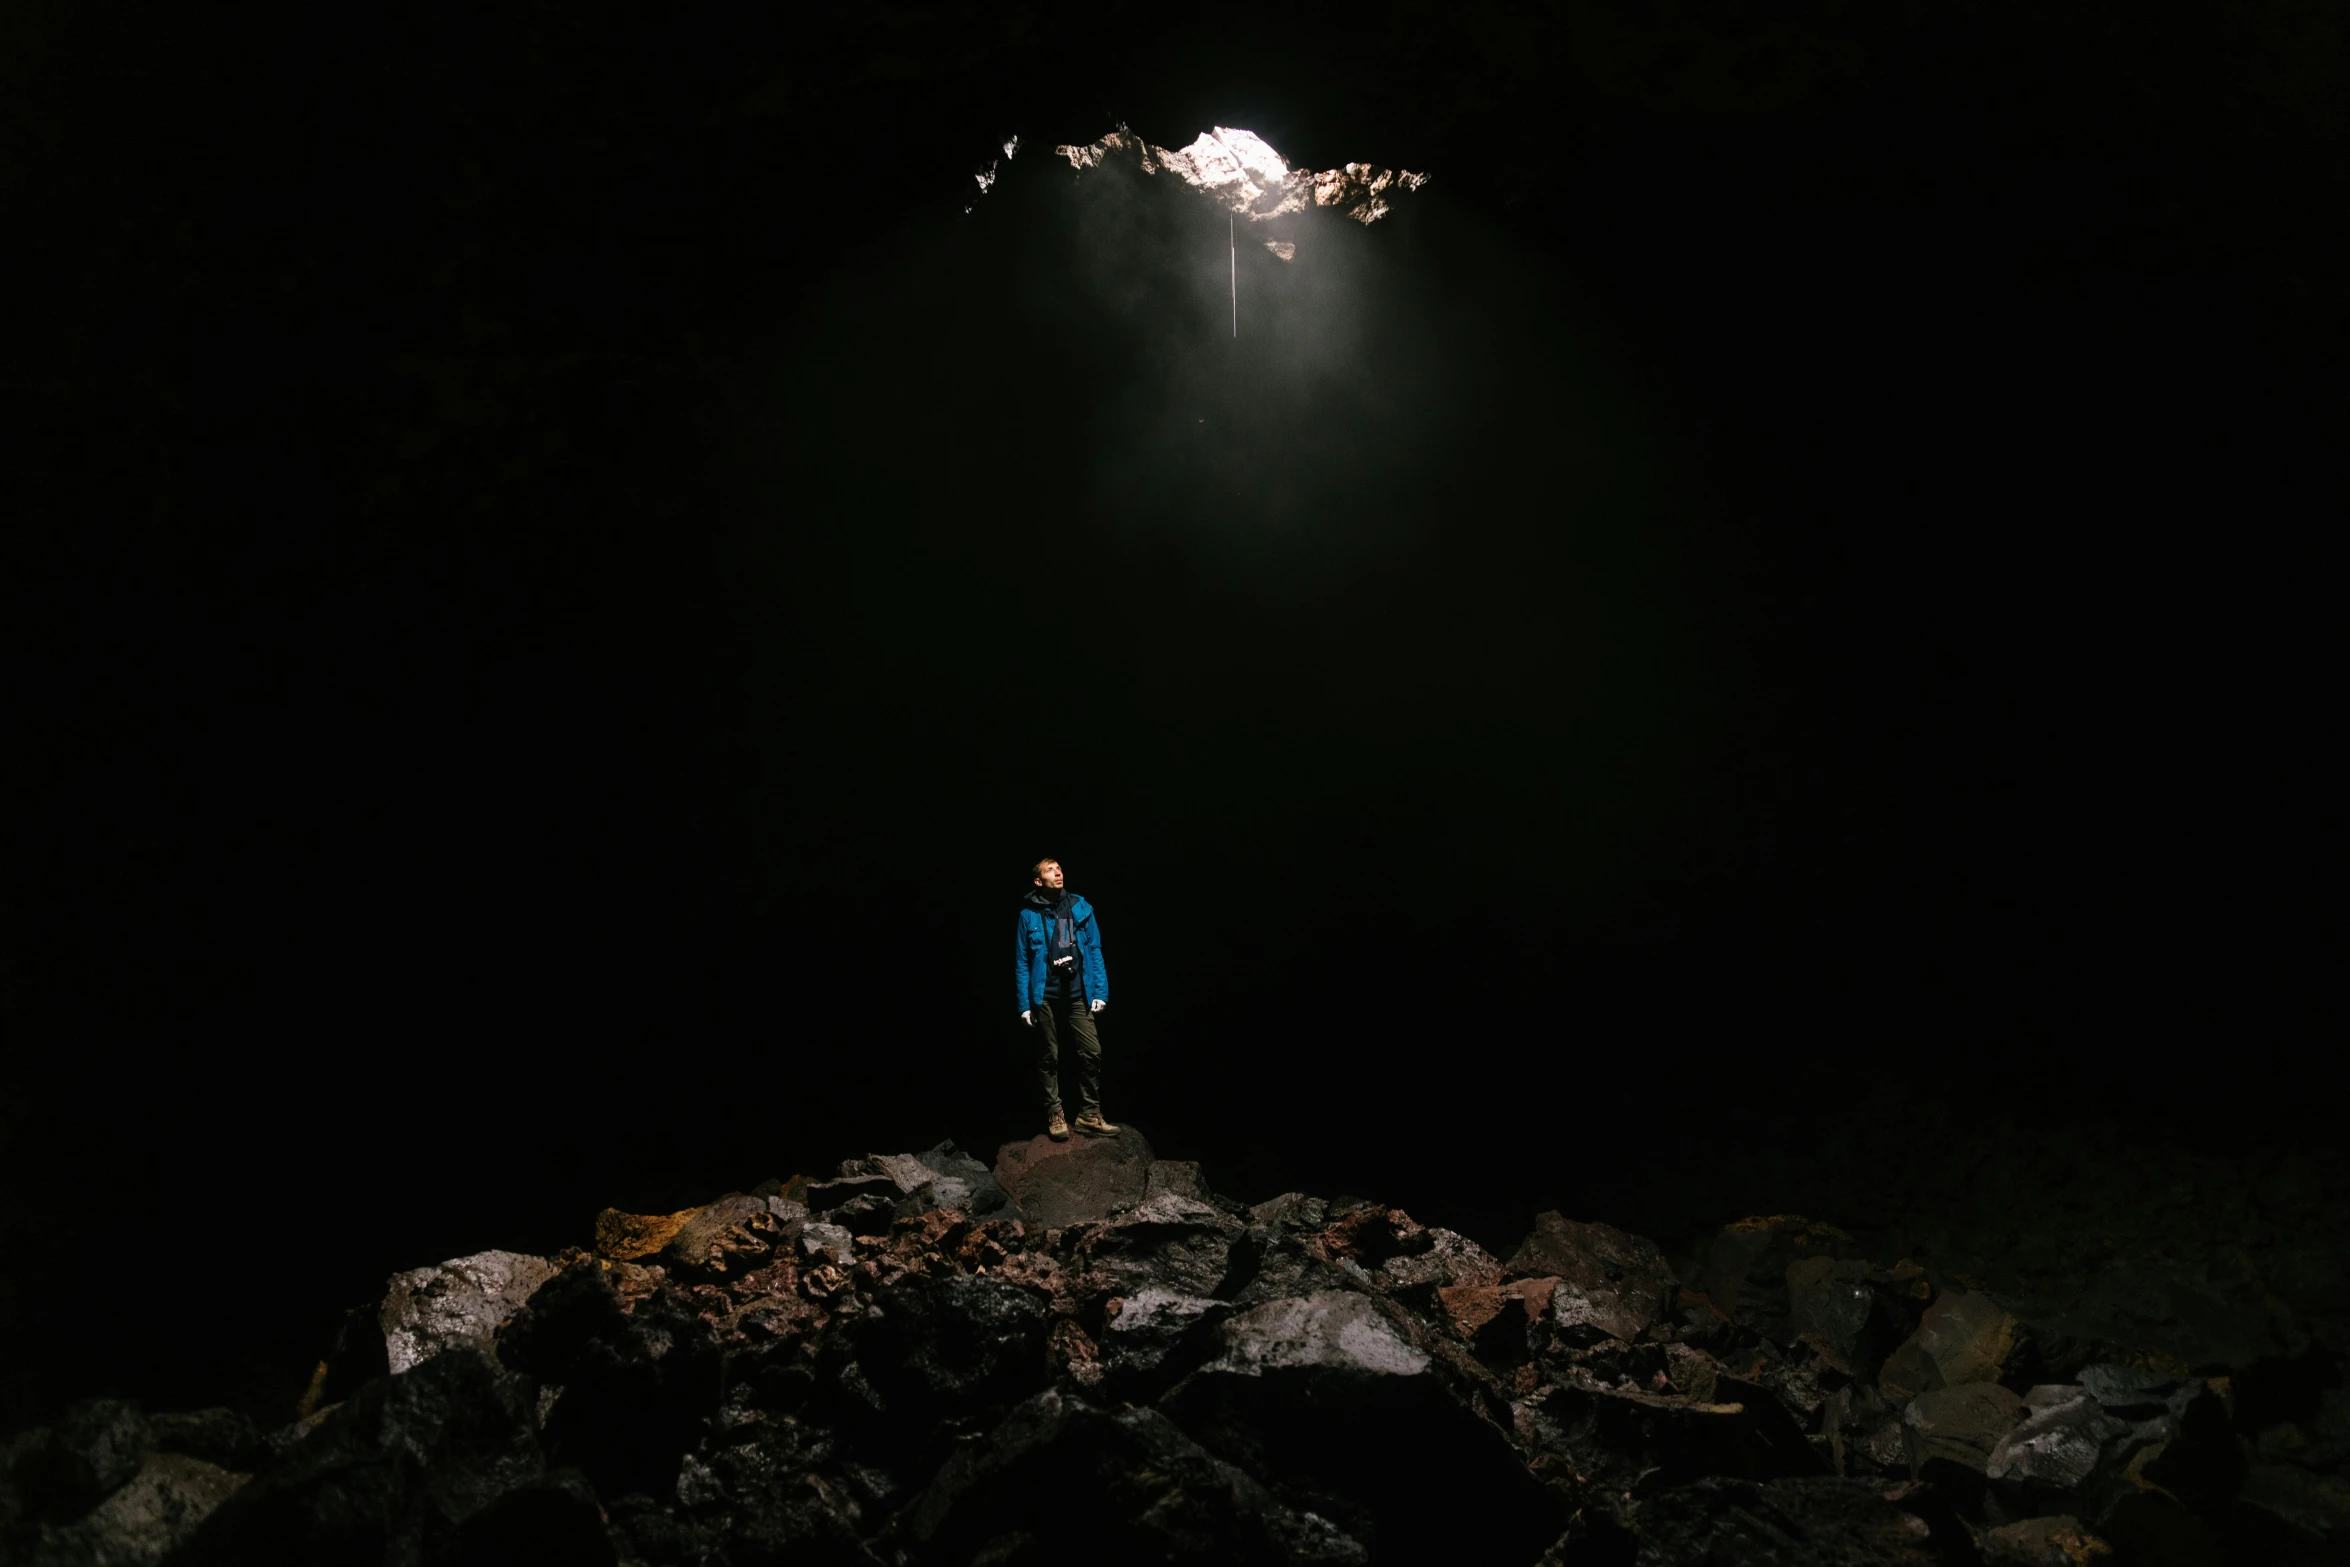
column 1240, row 171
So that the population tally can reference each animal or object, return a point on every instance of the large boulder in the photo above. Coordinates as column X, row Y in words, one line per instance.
column 1611, row 1285
column 465, row 1300
column 1153, row 1336
column 1839, row 1307
column 1061, row 1478
column 1327, row 1397
column 65, row 1470
column 2161, row 1446
column 1058, row 1184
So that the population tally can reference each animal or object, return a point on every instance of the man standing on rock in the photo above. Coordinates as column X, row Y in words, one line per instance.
column 1063, row 983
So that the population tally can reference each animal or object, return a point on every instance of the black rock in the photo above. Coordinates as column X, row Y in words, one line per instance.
column 1821, row 1522
column 1175, row 1243
column 390, row 1475
column 1327, row 1398
column 555, row 1520
column 635, row 1385
column 64, row 1471
column 218, row 1436
column 958, row 1349
column 1062, row 1479
column 1154, row 1336
column 1838, row 1306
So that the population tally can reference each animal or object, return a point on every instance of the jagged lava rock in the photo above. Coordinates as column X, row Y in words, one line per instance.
column 1058, row 1184
column 1177, row 1243
column 462, row 1301
column 630, row 1237
column 152, row 1514
column 1611, row 1285
column 1327, row 1398
column 1627, row 1437
column 1062, row 1477
column 1744, row 1273
column 392, row 1474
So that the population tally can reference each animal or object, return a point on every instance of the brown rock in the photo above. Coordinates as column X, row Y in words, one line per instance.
column 625, row 1237
column 1058, row 1184
column 1968, row 1335
column 2043, row 1542
column 1611, row 1285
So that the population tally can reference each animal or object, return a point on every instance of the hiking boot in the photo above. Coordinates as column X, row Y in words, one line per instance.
column 1056, row 1128
column 1092, row 1125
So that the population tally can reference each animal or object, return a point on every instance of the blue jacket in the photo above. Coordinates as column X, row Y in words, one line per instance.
column 1034, row 953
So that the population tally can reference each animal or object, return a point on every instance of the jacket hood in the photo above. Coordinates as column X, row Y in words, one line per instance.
column 1047, row 899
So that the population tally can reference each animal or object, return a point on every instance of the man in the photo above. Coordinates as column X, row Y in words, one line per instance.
column 1062, row 985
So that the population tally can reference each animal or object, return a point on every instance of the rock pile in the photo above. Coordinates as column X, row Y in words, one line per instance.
column 923, row 1359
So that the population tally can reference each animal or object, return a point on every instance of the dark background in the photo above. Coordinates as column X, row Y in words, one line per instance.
column 557, row 580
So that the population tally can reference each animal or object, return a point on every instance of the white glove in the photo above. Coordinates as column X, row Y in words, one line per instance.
column 1097, row 1006
column 1025, row 1018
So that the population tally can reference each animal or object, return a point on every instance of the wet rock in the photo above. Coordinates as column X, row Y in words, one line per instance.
column 1058, row 1184
column 631, row 1237
column 465, row 1300
column 1328, row 1399
column 1060, row 1477
column 142, row 1521
column 1960, row 1425
column 2043, row 1542
column 389, row 1475
column 1820, row 1522
column 1611, row 1285
column 1177, row 1243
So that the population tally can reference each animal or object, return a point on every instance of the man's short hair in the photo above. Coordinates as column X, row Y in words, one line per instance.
column 1037, row 869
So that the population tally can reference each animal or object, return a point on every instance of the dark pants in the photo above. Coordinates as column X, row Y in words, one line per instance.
column 1052, row 1017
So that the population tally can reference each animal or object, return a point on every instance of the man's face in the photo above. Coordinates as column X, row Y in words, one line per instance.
column 1049, row 875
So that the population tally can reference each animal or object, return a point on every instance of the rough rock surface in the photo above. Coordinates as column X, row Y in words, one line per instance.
column 462, row 1301
column 1057, row 1184
column 1611, row 1285
column 1086, row 1351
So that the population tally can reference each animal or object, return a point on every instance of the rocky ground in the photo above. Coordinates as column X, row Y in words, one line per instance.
column 1085, row 1348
